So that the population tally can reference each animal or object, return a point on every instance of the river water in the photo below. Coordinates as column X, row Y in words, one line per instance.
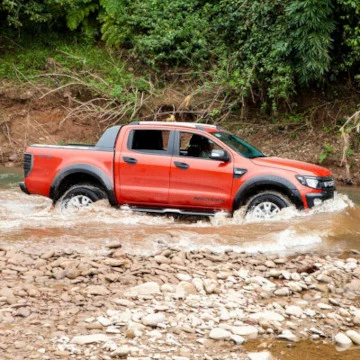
column 32, row 222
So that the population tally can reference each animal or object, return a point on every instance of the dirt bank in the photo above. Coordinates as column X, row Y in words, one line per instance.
column 174, row 305
column 27, row 116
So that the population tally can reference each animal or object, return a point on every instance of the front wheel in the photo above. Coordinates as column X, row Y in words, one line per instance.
column 266, row 205
column 80, row 196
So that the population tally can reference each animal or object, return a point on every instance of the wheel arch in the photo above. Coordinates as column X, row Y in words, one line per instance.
column 264, row 183
column 81, row 174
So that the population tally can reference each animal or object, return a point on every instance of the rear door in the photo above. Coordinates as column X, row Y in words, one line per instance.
column 197, row 182
column 143, row 166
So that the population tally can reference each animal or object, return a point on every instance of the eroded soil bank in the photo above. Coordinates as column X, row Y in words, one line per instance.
column 178, row 305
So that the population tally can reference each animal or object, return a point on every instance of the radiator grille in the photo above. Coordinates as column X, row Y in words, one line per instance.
column 28, row 161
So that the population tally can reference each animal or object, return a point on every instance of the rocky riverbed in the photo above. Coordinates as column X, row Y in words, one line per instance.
column 173, row 305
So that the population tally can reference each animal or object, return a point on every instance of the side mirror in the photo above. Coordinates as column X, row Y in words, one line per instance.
column 220, row 155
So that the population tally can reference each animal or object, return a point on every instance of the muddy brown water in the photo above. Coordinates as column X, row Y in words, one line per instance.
column 32, row 223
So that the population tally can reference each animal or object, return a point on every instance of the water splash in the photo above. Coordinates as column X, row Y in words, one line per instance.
column 32, row 221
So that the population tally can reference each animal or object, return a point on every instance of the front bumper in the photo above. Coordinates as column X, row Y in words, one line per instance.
column 23, row 188
column 325, row 195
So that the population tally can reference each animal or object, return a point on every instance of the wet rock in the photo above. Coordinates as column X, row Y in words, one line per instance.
column 354, row 336
column 288, row 335
column 264, row 355
column 237, row 339
column 342, row 340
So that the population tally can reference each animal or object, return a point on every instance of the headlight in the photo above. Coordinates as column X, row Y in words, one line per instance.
column 309, row 181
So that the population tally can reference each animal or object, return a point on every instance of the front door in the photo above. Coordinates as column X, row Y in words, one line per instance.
column 196, row 181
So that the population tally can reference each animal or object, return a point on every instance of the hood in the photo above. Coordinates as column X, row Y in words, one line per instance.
column 300, row 167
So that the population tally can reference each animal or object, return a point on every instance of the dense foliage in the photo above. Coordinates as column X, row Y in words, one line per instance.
column 260, row 50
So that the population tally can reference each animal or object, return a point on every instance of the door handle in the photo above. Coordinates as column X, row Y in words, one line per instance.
column 129, row 160
column 181, row 165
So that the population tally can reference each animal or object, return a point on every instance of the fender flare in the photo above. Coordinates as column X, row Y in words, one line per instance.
column 86, row 169
column 271, row 181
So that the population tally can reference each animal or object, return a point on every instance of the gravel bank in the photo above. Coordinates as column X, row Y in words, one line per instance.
column 174, row 305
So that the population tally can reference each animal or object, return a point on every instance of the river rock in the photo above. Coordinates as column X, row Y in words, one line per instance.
column 323, row 306
column 210, row 285
column 149, row 288
column 113, row 245
column 97, row 290
column 354, row 336
column 220, row 334
column 284, row 291
column 183, row 277
column 153, row 320
column 294, row 310
column 266, row 315
column 237, row 339
column 161, row 259
column 89, row 339
column 354, row 285
column 247, row 331
column 199, row 285
column 342, row 340
column 185, row 288
column 288, row 335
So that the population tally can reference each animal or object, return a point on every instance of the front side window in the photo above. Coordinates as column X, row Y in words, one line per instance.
column 195, row 145
column 238, row 145
column 149, row 141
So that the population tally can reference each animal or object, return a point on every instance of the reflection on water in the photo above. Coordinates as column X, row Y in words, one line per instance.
column 31, row 221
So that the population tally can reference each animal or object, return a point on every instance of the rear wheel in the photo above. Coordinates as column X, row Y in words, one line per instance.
column 266, row 205
column 80, row 196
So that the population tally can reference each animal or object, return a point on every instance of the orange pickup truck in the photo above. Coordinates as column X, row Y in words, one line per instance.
column 184, row 168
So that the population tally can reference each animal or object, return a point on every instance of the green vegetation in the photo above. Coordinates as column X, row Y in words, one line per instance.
column 240, row 52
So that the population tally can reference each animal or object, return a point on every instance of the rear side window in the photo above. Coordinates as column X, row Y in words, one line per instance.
column 149, row 141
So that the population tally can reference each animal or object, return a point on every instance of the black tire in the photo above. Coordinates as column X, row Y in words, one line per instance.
column 80, row 196
column 266, row 205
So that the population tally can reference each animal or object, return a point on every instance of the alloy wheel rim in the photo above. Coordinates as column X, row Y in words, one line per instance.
column 265, row 210
column 78, row 202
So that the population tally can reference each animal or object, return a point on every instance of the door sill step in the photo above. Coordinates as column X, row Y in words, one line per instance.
column 174, row 211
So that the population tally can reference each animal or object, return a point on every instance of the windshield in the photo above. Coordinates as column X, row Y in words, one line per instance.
column 238, row 145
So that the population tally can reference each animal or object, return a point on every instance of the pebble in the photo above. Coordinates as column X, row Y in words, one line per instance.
column 140, row 307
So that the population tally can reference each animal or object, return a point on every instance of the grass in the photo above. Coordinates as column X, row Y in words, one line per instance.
column 100, row 68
